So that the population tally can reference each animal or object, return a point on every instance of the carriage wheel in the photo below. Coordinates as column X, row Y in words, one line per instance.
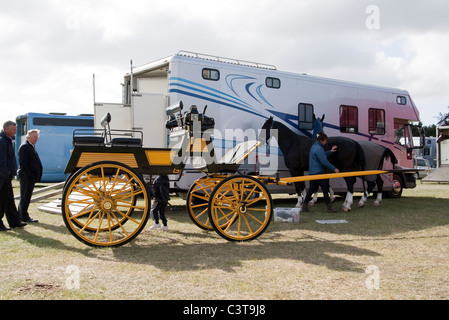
column 80, row 224
column 240, row 208
column 105, row 204
column 198, row 200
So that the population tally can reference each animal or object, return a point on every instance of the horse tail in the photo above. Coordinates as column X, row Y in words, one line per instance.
column 388, row 155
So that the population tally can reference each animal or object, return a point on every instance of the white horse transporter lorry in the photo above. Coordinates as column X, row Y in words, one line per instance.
column 241, row 95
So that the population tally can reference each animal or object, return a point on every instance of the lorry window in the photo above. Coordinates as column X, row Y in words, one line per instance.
column 401, row 100
column 273, row 82
column 63, row 122
column 376, row 121
column 23, row 127
column 305, row 116
column 126, row 94
column 211, row 74
column 349, row 119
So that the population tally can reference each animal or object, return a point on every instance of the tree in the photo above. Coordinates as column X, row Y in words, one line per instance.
column 443, row 119
column 429, row 131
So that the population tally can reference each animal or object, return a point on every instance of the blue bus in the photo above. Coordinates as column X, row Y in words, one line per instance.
column 55, row 139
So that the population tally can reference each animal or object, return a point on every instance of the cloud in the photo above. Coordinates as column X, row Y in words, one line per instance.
column 50, row 49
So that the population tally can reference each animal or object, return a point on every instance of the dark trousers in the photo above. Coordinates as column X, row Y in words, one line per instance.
column 7, row 204
column 159, row 212
column 26, row 191
column 313, row 187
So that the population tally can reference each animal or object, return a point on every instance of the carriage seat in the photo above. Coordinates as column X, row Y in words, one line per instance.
column 96, row 141
column 91, row 137
column 126, row 142
column 240, row 152
column 104, row 137
column 232, row 159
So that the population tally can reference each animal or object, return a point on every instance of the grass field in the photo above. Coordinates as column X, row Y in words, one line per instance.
column 396, row 251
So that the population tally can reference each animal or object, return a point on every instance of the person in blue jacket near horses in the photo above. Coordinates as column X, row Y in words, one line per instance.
column 318, row 163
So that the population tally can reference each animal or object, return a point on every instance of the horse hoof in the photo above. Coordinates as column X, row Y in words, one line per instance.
column 311, row 204
column 361, row 204
column 345, row 209
column 376, row 204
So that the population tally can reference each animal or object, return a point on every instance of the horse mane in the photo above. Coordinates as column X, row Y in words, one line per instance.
column 293, row 137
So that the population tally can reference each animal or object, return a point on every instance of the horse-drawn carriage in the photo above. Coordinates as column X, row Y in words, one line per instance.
column 106, row 200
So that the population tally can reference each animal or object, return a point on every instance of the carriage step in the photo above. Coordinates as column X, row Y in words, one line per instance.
column 51, row 207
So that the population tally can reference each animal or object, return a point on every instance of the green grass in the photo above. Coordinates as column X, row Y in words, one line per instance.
column 406, row 239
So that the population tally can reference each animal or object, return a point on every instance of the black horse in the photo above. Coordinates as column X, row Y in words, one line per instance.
column 375, row 157
column 296, row 148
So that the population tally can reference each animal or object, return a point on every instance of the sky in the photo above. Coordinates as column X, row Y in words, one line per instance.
column 50, row 49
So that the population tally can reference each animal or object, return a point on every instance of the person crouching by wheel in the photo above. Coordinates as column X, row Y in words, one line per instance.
column 318, row 163
column 161, row 187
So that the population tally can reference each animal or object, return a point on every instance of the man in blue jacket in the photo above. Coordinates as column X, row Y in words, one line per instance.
column 318, row 163
column 8, row 169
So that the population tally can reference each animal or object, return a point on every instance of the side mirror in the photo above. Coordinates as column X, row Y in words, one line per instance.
column 422, row 137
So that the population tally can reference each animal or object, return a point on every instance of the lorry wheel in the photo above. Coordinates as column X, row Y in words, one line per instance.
column 398, row 186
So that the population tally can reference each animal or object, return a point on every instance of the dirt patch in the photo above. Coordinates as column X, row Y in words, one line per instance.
column 39, row 287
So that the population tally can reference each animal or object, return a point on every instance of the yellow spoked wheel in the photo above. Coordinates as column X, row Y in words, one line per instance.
column 240, row 208
column 105, row 204
column 198, row 200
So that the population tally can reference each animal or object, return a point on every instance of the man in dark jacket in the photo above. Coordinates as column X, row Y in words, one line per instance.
column 161, row 187
column 318, row 163
column 8, row 169
column 30, row 172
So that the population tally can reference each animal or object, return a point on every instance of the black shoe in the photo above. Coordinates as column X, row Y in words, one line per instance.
column 3, row 228
column 30, row 220
column 19, row 225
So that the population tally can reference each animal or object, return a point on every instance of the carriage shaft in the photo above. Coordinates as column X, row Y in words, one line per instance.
column 331, row 176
